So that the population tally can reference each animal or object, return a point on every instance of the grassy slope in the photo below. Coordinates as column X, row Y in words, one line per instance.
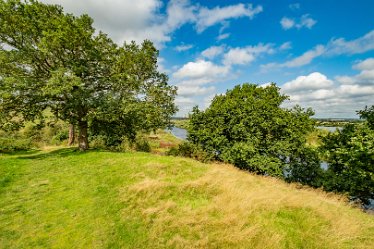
column 66, row 199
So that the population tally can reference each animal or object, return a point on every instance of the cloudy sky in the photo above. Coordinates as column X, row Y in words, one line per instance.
column 321, row 52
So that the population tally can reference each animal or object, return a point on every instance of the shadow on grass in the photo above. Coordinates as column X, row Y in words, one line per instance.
column 55, row 153
column 21, row 152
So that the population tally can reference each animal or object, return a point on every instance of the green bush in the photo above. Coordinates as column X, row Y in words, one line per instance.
column 142, row 145
column 248, row 127
column 350, row 157
column 187, row 149
column 104, row 142
column 10, row 144
column 45, row 132
column 98, row 142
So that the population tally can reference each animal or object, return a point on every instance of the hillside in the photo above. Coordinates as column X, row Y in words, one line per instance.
column 67, row 199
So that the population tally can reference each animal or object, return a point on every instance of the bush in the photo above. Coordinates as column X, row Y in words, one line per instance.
column 248, row 127
column 350, row 157
column 142, row 145
column 98, row 142
column 190, row 150
column 11, row 144
column 104, row 142
column 45, row 132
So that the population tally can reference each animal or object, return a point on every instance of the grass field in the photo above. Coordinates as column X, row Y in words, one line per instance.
column 67, row 199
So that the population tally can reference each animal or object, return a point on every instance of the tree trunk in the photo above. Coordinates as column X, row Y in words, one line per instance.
column 83, row 137
column 71, row 135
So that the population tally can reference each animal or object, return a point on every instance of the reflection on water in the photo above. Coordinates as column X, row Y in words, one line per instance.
column 179, row 132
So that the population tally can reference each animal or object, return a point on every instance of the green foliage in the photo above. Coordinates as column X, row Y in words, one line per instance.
column 11, row 144
column 57, row 61
column 368, row 115
column 247, row 127
column 187, row 149
column 41, row 132
column 45, row 131
column 142, row 145
column 350, row 156
column 304, row 167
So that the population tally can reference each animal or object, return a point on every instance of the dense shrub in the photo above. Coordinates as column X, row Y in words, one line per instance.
column 350, row 157
column 187, row 149
column 247, row 127
column 45, row 132
column 139, row 143
column 10, row 144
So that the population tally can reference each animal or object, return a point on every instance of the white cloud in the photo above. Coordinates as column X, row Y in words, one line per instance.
column 182, row 48
column 306, row 21
column 245, row 55
column 357, row 46
column 339, row 98
column 191, row 90
column 333, row 48
column 286, row 46
column 238, row 56
column 305, row 58
column 119, row 19
column 160, row 65
column 287, row 23
column 209, row 17
column 208, row 100
column 127, row 20
column 313, row 81
column 303, row 21
column 364, row 78
column 299, row 61
column 212, row 52
column 183, row 100
column 223, row 36
column 201, row 69
column 367, row 64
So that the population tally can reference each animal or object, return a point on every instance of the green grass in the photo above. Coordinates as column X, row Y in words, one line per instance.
column 68, row 199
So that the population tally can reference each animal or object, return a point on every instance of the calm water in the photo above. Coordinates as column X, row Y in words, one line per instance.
column 179, row 133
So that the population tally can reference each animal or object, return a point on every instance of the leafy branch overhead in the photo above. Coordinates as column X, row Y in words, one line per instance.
column 50, row 59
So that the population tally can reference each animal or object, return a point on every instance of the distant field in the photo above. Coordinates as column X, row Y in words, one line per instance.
column 67, row 199
column 181, row 123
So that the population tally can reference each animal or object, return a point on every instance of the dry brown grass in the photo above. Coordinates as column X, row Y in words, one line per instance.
column 229, row 208
column 96, row 199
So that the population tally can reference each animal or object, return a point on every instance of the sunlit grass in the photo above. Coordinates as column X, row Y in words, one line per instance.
column 68, row 199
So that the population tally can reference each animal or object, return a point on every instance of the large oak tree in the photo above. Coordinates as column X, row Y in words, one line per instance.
column 50, row 59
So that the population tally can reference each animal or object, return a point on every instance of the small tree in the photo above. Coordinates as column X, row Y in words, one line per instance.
column 247, row 127
column 54, row 60
column 350, row 156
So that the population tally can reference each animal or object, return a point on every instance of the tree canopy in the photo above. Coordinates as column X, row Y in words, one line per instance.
column 50, row 59
column 350, row 157
column 248, row 127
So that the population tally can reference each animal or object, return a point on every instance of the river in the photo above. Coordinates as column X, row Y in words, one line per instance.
column 179, row 133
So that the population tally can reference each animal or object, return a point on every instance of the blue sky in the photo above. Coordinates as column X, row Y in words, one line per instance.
column 321, row 53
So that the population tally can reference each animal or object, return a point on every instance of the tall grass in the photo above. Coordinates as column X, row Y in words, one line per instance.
column 68, row 199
